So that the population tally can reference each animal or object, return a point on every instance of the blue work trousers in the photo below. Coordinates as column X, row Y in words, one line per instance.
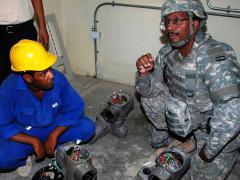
column 14, row 154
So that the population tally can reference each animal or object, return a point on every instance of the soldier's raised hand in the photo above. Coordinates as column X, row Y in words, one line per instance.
column 145, row 64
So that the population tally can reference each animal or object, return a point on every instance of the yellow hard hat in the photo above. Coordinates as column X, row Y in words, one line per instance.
column 28, row 55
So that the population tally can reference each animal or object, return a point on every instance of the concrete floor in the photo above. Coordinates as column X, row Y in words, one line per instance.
column 114, row 158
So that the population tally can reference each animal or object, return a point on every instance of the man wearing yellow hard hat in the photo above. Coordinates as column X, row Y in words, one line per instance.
column 39, row 109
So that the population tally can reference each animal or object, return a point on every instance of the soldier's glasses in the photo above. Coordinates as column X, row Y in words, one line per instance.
column 174, row 22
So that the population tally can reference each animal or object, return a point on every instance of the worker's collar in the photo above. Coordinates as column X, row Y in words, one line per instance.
column 21, row 85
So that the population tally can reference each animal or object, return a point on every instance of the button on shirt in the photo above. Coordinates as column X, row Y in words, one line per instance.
column 19, row 108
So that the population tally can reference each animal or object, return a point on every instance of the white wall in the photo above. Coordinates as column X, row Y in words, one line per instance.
column 54, row 7
column 127, row 33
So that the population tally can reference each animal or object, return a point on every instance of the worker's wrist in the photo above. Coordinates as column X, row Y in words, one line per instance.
column 33, row 141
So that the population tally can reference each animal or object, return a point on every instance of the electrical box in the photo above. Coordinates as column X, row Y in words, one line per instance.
column 95, row 34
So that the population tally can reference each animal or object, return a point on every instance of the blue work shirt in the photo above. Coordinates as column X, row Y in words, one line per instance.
column 19, row 108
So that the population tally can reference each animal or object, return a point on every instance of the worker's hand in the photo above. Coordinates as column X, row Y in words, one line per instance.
column 43, row 37
column 38, row 149
column 51, row 142
column 145, row 64
column 50, row 145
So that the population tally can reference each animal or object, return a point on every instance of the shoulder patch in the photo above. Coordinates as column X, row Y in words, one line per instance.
column 216, row 54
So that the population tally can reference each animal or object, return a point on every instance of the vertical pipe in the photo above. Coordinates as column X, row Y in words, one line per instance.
column 95, row 22
column 95, row 29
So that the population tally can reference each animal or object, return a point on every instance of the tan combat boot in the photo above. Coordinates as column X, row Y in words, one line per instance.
column 187, row 146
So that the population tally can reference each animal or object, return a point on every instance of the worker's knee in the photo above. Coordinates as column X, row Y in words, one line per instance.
column 12, row 154
column 154, row 105
column 7, row 162
column 89, row 128
column 82, row 131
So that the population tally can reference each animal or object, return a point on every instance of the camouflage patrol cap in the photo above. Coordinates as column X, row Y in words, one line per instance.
column 194, row 6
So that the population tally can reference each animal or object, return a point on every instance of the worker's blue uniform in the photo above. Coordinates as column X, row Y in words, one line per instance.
column 21, row 111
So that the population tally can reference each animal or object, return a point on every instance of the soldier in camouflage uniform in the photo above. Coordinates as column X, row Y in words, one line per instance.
column 193, row 87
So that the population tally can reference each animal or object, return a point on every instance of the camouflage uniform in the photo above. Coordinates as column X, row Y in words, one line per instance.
column 208, row 81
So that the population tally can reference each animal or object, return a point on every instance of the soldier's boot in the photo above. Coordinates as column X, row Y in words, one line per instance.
column 159, row 138
column 187, row 146
column 102, row 129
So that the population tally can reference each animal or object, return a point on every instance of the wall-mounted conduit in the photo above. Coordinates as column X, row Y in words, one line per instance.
column 228, row 9
column 95, row 21
column 113, row 4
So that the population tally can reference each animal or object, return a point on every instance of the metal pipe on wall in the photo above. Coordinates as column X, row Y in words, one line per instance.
column 228, row 9
column 113, row 4
column 95, row 21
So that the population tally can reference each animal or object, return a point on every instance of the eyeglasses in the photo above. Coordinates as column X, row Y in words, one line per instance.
column 174, row 22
